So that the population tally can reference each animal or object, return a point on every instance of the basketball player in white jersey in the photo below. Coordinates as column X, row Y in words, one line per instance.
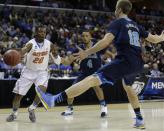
column 37, row 52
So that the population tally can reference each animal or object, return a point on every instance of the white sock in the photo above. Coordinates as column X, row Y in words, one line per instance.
column 33, row 106
column 15, row 111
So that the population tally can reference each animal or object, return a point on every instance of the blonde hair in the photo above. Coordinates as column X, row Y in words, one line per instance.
column 125, row 6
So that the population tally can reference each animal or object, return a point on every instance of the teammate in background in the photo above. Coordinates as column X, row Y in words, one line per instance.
column 126, row 35
column 87, row 67
column 37, row 52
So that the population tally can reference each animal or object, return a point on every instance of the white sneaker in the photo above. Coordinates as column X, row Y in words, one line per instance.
column 104, row 110
column 67, row 112
column 139, row 124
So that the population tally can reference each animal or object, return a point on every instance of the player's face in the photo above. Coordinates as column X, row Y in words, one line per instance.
column 86, row 37
column 41, row 34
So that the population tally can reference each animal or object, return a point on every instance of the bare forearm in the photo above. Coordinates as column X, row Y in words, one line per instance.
column 101, row 44
column 23, row 51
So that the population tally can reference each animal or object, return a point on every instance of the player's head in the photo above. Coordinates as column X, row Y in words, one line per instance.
column 40, row 33
column 86, row 37
column 123, row 7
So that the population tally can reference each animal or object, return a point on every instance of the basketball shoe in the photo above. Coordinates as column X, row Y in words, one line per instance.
column 68, row 111
column 104, row 110
column 139, row 124
column 11, row 117
column 32, row 115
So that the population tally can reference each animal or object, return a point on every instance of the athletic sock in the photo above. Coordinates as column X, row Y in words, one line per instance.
column 61, row 97
column 102, row 102
column 138, row 113
column 70, row 106
column 33, row 106
column 15, row 111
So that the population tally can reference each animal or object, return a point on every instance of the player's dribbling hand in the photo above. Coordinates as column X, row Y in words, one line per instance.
column 80, row 55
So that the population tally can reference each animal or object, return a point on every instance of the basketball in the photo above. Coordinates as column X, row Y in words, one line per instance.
column 12, row 57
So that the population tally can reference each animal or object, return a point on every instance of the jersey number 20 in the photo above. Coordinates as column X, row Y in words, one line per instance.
column 38, row 60
column 134, row 38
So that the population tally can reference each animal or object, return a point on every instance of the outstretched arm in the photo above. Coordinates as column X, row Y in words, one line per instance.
column 57, row 59
column 103, row 43
column 25, row 49
column 155, row 38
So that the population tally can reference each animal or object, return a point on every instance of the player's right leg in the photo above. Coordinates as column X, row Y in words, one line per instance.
column 16, row 105
column 50, row 100
column 100, row 95
column 21, row 88
column 107, row 74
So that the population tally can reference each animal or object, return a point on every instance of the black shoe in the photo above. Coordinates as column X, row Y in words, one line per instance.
column 67, row 112
column 11, row 117
column 104, row 111
column 32, row 115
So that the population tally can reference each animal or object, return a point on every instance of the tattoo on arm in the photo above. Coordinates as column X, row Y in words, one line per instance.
column 26, row 49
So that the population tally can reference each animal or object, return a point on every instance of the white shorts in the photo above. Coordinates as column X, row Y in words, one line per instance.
column 27, row 78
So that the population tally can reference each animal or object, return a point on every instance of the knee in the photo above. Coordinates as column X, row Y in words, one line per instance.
column 43, row 88
column 93, row 81
column 96, row 88
column 130, row 93
column 127, row 89
column 17, row 98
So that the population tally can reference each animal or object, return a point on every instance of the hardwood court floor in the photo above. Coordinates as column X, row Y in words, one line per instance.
column 86, row 118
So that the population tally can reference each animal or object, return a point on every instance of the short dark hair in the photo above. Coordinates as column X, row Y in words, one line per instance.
column 40, row 26
column 125, row 6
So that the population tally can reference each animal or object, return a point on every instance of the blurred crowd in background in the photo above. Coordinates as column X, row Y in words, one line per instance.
column 65, row 28
column 140, row 6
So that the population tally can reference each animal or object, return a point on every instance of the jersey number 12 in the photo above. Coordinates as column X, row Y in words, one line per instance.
column 134, row 38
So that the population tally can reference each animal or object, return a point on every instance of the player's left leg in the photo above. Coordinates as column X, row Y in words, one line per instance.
column 41, row 82
column 100, row 95
column 34, row 105
column 134, row 101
